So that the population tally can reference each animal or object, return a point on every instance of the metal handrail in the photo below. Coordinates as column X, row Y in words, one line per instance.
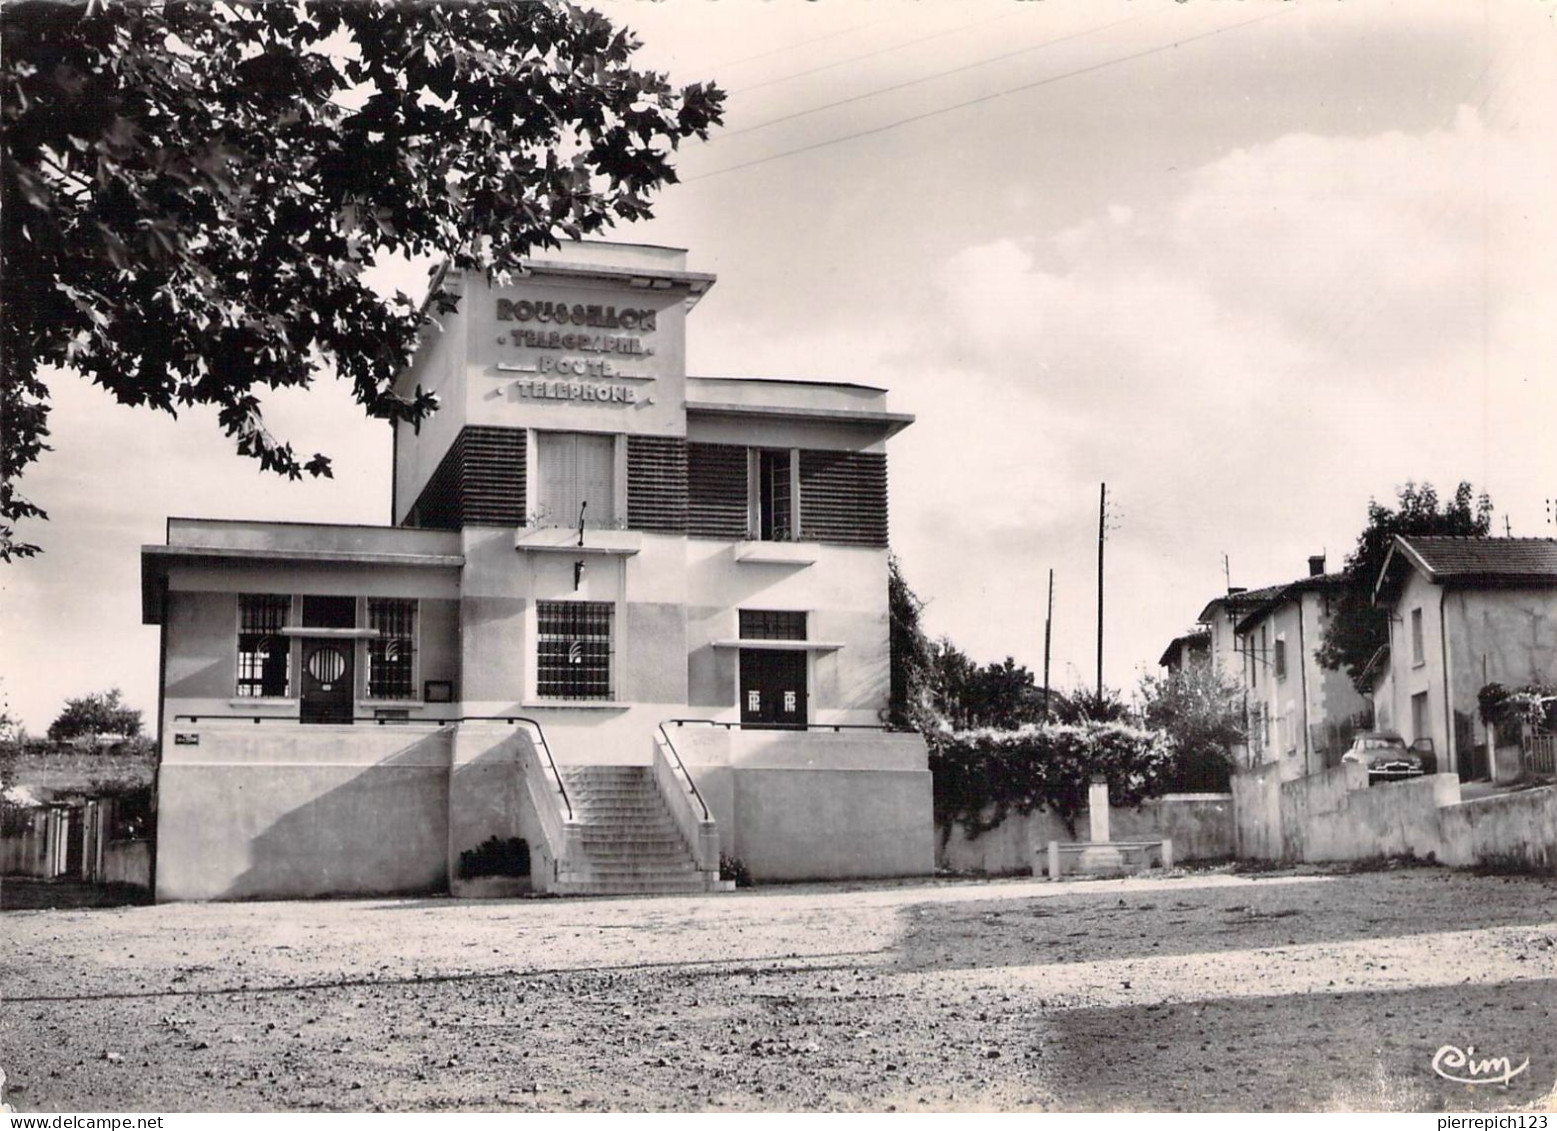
column 834, row 727
column 380, row 720
column 545, row 747
column 682, row 766
column 511, row 720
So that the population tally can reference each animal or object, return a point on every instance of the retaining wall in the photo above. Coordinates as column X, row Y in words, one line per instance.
column 1337, row 816
column 1199, row 824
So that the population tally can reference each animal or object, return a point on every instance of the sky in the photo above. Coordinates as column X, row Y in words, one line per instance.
column 1249, row 264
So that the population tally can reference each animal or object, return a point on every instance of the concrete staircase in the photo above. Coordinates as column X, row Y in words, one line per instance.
column 629, row 841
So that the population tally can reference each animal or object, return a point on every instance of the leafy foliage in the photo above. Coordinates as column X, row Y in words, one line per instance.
column 980, row 776
column 734, row 868
column 965, row 696
column 92, row 715
column 935, row 685
column 495, row 857
column 911, row 653
column 1200, row 710
column 190, row 193
column 1357, row 630
column 1509, row 709
column 1103, row 705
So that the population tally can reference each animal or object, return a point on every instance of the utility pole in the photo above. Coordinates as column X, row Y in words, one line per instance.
column 1048, row 625
column 1102, row 520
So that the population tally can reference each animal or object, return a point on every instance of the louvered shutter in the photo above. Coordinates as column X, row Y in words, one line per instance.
column 577, row 468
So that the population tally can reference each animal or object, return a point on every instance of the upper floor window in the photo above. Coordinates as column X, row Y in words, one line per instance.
column 1279, row 658
column 1418, row 653
column 577, row 473
column 773, row 502
column 264, row 652
column 392, row 653
column 772, row 624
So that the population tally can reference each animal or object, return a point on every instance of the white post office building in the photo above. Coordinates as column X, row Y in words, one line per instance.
column 624, row 622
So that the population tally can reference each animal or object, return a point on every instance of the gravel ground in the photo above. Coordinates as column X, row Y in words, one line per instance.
column 1296, row 990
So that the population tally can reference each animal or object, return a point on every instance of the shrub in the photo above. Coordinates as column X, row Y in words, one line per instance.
column 980, row 776
column 494, row 857
column 734, row 868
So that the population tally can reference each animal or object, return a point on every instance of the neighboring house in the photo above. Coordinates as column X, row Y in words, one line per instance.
column 1463, row 612
column 1221, row 616
column 1187, row 650
column 583, row 536
column 1296, row 712
column 1301, row 714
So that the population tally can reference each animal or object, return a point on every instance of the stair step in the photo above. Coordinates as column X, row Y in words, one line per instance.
column 691, row 887
column 610, row 838
column 677, row 861
column 630, row 842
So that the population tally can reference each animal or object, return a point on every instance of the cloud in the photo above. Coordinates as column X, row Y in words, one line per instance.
column 1302, row 325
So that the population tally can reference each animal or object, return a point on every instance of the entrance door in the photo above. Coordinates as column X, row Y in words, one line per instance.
column 327, row 681
column 773, row 688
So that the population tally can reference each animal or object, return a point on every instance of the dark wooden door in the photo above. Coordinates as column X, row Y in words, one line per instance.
column 773, row 688
column 328, row 680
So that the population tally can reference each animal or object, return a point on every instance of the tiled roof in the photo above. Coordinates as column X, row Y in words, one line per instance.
column 1278, row 595
column 1240, row 603
column 1444, row 556
column 1196, row 640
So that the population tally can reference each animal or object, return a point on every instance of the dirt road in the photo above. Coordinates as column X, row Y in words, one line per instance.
column 1197, row 991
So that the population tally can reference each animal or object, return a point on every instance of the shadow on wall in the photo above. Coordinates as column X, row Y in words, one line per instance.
column 381, row 830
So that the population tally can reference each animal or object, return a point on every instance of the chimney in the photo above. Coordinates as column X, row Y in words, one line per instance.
column 1234, row 590
column 1316, row 565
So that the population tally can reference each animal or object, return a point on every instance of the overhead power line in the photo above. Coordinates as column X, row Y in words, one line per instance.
column 929, row 78
column 1106, row 63
column 879, row 51
column 800, row 44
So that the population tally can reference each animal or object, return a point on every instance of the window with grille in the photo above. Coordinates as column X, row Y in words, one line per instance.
column 263, row 651
column 772, row 624
column 775, row 509
column 392, row 654
column 577, row 470
column 573, row 650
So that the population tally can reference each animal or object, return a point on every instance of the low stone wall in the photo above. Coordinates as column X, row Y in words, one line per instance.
column 254, row 812
column 1199, row 824
column 1337, row 816
column 815, row 805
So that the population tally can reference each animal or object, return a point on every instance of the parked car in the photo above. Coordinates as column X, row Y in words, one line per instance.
column 1386, row 756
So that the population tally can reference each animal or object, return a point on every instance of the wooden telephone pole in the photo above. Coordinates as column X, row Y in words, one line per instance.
column 1102, row 527
column 1048, row 625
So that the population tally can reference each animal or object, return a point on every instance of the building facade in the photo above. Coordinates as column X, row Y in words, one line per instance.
column 1301, row 714
column 635, row 619
column 1463, row 613
column 1297, row 715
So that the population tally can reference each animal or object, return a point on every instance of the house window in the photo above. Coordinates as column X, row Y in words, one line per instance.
column 392, row 654
column 573, row 649
column 772, row 624
column 1279, row 658
column 774, row 504
column 1418, row 654
column 577, row 475
column 264, row 653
